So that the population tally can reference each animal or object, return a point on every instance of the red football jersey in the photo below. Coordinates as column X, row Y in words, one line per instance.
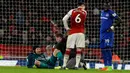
column 77, row 21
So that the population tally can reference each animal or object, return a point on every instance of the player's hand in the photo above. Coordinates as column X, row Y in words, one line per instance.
column 67, row 31
column 111, row 29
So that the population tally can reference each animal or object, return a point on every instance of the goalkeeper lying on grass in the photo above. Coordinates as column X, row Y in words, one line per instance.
column 38, row 59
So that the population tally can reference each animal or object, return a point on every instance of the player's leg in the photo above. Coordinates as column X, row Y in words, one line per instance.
column 78, row 57
column 66, row 57
column 57, row 53
column 104, row 53
column 104, row 56
column 109, row 45
column 70, row 44
column 80, row 44
column 83, row 62
column 106, row 46
column 109, row 56
column 109, row 53
column 52, row 61
column 40, row 64
column 63, row 63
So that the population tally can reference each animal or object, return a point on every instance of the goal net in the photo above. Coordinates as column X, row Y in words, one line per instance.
column 27, row 23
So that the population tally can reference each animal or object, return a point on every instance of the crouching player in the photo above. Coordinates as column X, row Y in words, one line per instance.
column 61, row 45
column 39, row 59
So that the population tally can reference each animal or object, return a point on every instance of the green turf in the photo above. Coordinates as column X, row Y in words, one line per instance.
column 26, row 70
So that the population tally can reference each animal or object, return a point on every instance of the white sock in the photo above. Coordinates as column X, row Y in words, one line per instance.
column 78, row 57
column 66, row 57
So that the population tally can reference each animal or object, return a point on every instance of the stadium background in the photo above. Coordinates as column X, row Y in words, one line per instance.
column 26, row 23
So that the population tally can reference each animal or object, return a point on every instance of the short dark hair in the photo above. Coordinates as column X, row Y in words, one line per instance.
column 34, row 47
column 59, row 35
column 81, row 3
column 107, row 3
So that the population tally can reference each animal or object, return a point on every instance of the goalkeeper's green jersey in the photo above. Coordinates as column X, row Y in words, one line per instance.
column 32, row 57
column 40, row 57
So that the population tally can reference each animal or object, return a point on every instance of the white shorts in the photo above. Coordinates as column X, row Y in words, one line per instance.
column 76, row 39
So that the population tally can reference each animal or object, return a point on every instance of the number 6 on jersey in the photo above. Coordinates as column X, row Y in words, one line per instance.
column 78, row 19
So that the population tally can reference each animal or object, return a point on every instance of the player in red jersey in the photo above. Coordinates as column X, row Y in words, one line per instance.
column 76, row 35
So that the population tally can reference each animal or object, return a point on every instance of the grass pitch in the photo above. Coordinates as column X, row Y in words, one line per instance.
column 35, row 70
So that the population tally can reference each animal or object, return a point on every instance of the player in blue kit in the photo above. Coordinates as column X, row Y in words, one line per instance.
column 108, row 17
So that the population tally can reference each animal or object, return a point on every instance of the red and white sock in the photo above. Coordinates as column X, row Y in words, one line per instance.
column 78, row 57
column 66, row 57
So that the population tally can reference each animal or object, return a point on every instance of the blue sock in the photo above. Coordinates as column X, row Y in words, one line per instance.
column 104, row 56
column 60, row 58
column 109, row 57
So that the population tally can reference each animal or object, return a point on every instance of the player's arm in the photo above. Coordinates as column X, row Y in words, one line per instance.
column 65, row 20
column 118, row 20
column 30, row 60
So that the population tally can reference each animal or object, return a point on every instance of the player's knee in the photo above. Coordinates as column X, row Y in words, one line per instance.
column 67, row 51
column 60, row 56
column 37, row 63
column 55, row 52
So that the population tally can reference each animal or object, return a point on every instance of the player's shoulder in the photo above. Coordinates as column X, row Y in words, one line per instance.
column 85, row 11
column 30, row 55
column 71, row 10
column 102, row 11
column 111, row 11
